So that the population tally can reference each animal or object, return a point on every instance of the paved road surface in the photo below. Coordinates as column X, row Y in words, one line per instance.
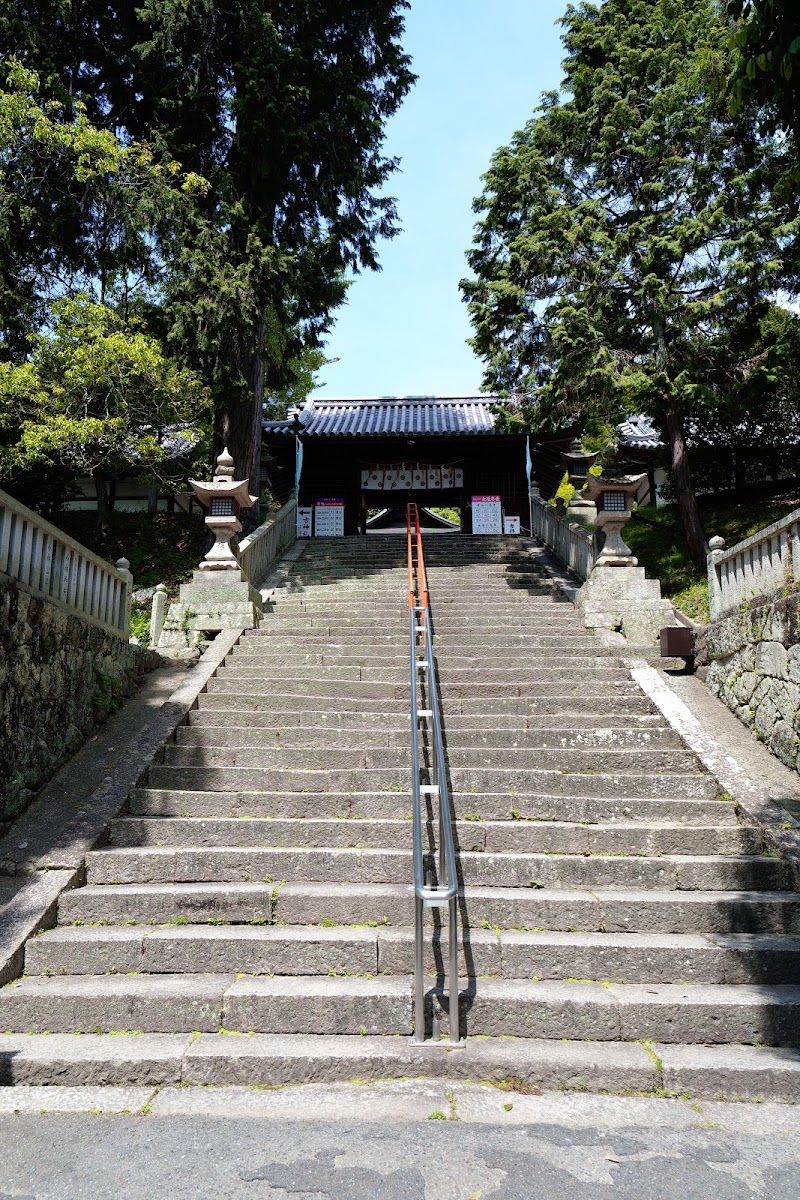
column 356, row 1143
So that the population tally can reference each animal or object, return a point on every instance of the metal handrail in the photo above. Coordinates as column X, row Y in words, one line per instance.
column 445, row 892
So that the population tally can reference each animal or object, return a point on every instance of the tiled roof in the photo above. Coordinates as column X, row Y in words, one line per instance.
column 638, row 433
column 393, row 416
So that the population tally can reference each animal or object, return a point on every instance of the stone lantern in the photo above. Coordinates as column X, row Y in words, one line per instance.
column 576, row 462
column 613, row 498
column 622, row 600
column 218, row 596
column 224, row 497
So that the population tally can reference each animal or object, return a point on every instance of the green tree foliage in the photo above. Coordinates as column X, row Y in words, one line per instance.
column 767, row 63
column 753, row 433
column 98, row 398
column 280, row 106
column 79, row 209
column 628, row 235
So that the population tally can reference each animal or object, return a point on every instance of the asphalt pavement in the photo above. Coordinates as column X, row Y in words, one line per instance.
column 398, row 1141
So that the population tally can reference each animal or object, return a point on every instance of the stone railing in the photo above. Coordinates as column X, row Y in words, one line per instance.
column 568, row 540
column 50, row 565
column 259, row 551
column 758, row 568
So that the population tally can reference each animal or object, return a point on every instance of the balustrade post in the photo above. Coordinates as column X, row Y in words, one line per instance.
column 124, row 568
column 716, row 553
column 158, row 613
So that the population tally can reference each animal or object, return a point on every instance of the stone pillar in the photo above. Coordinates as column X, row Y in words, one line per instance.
column 716, row 551
column 124, row 568
column 158, row 614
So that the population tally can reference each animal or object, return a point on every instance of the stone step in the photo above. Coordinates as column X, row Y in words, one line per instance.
column 546, row 617
column 622, row 706
column 687, row 812
column 462, row 779
column 394, row 664
column 668, row 1013
column 280, row 701
column 591, row 669
column 603, row 689
column 509, row 954
column 197, row 864
column 331, row 723
column 504, row 836
column 728, row 1072
column 732, row 1072
column 604, row 910
column 244, row 734
column 205, row 752
column 206, row 1003
column 208, row 949
column 265, row 642
column 202, row 750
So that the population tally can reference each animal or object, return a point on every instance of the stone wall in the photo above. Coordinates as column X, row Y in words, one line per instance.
column 754, row 667
column 59, row 676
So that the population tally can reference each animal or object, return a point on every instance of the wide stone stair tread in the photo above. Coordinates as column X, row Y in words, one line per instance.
column 526, row 807
column 232, row 733
column 514, row 954
column 553, row 837
column 727, row 1071
column 467, row 779
column 204, row 730
column 305, row 902
column 202, row 751
column 353, row 865
column 704, row 1013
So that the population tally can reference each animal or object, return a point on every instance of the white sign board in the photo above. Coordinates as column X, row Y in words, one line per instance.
column 304, row 516
column 329, row 518
column 510, row 524
column 487, row 514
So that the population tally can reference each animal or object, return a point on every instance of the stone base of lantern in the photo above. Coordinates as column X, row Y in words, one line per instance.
column 214, row 600
column 623, row 598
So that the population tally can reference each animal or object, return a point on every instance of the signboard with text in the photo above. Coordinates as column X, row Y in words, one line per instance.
column 329, row 518
column 304, row 517
column 487, row 514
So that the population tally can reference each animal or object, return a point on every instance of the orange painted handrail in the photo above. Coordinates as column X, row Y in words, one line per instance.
column 414, row 543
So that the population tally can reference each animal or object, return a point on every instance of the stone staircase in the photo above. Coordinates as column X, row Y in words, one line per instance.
column 622, row 929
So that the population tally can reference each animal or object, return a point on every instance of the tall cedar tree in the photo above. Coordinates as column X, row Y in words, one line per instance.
column 281, row 106
column 627, row 236
column 767, row 61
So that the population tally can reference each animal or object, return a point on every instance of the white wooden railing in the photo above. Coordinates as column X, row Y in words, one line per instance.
column 757, row 568
column 50, row 565
column 568, row 540
column 259, row 551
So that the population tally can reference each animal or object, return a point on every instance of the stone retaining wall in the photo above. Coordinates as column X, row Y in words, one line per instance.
column 59, row 676
column 754, row 667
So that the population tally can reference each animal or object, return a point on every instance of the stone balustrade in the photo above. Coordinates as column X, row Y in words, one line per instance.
column 756, row 569
column 50, row 565
column 568, row 540
column 264, row 546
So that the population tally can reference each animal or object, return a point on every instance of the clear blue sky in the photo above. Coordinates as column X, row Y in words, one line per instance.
column 481, row 68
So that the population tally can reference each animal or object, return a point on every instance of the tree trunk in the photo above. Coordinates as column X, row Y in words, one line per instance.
column 103, row 506
column 684, row 490
column 237, row 425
